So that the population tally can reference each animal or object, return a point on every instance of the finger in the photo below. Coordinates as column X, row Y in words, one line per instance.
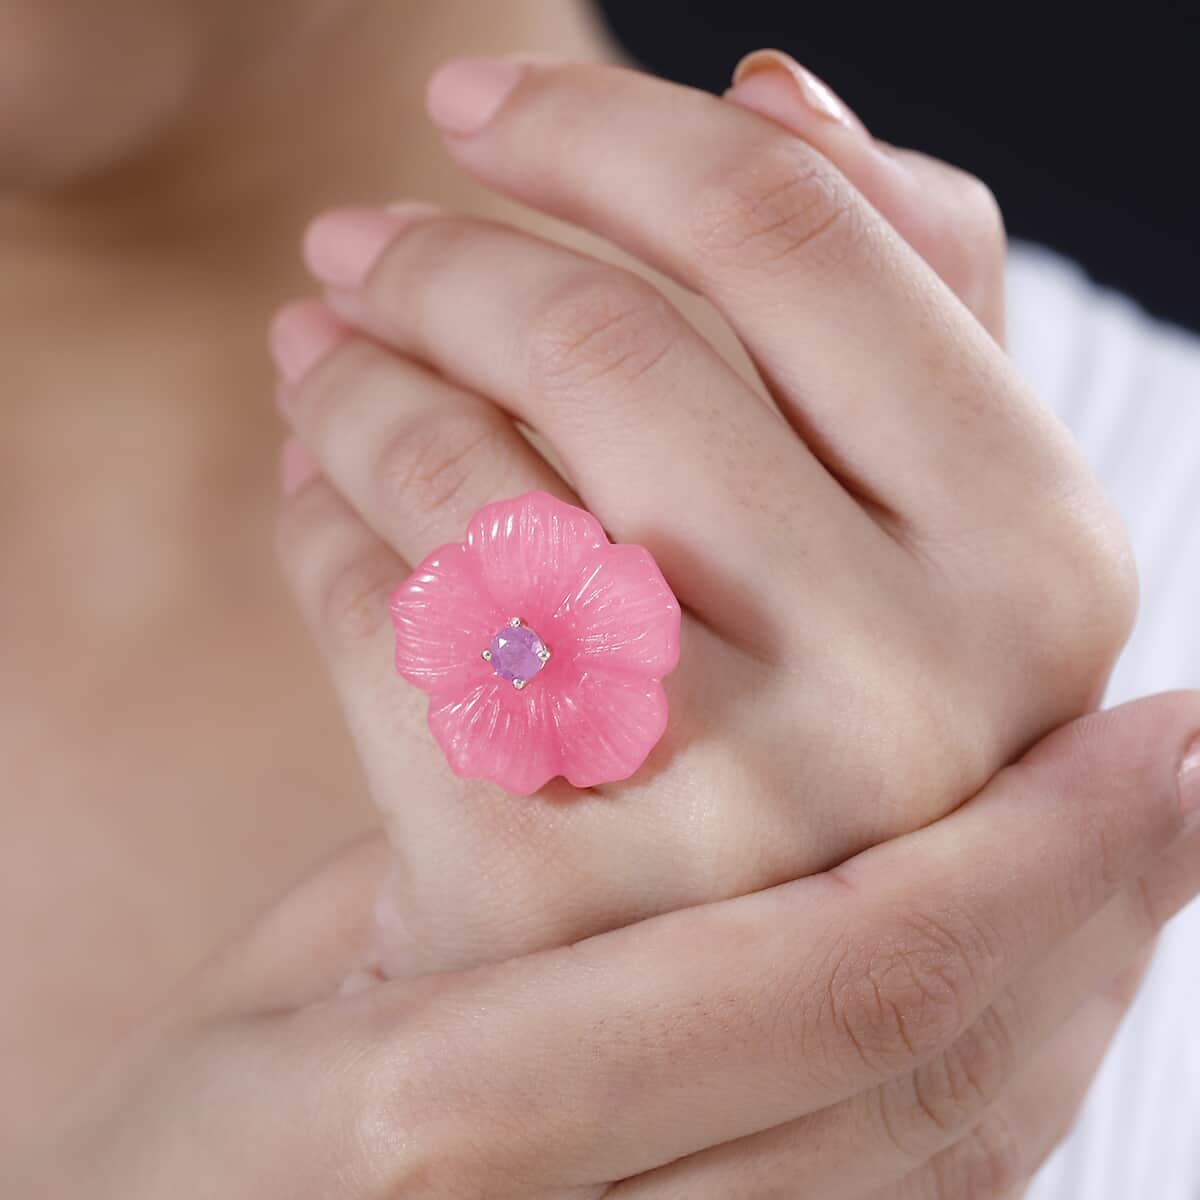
column 415, row 456
column 882, row 1134
column 342, row 575
column 533, row 877
column 949, row 217
column 665, row 443
column 708, row 1024
column 1000, row 1156
column 888, row 378
column 341, row 572
column 952, row 219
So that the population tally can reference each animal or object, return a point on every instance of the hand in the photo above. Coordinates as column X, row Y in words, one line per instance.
column 889, row 1024
column 896, row 576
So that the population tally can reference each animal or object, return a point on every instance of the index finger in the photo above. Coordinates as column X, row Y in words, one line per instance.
column 637, row 1047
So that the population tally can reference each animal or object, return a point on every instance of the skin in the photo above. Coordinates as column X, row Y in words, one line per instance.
column 138, row 448
column 896, row 1014
column 898, row 464
column 106, row 1129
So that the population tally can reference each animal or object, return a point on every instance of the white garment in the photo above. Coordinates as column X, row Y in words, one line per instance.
column 1129, row 389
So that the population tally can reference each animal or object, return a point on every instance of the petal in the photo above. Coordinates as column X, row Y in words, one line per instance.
column 621, row 614
column 530, row 550
column 444, row 620
column 607, row 724
column 493, row 731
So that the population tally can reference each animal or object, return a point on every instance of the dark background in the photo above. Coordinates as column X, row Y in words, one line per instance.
column 1084, row 120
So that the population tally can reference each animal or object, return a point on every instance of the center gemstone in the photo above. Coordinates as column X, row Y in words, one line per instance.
column 517, row 654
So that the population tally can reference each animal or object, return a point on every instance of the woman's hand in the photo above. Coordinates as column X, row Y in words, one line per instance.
column 888, row 1028
column 897, row 574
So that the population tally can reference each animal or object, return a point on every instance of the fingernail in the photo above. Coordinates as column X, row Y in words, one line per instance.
column 766, row 66
column 465, row 94
column 1189, row 782
column 301, row 335
column 296, row 467
column 342, row 245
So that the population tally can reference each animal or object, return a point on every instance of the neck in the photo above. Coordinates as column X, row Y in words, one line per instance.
column 135, row 415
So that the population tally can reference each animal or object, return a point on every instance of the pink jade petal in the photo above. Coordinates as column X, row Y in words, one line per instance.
column 621, row 614
column 597, row 708
column 495, row 732
column 443, row 618
column 607, row 725
column 530, row 550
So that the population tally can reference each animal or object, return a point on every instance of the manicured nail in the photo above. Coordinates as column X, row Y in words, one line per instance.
column 465, row 94
column 816, row 95
column 301, row 335
column 342, row 245
column 1189, row 783
column 296, row 467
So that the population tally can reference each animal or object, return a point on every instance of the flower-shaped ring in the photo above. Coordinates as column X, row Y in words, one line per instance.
column 542, row 646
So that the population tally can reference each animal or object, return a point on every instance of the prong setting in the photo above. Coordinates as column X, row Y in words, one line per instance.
column 517, row 653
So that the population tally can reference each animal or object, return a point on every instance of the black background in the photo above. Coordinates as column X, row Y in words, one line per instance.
column 1084, row 120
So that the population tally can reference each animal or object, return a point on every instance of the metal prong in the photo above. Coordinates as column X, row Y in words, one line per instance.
column 514, row 621
column 519, row 683
column 544, row 654
column 486, row 656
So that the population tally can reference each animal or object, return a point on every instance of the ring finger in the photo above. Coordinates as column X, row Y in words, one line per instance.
column 380, row 428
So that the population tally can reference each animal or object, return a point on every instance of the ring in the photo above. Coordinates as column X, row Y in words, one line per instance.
column 542, row 646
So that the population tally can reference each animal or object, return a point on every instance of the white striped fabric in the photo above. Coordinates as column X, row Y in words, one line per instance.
column 1129, row 389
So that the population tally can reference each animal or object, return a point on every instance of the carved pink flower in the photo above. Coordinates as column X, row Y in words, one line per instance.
column 542, row 646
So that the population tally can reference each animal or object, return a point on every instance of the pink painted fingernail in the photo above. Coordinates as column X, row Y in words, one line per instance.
column 301, row 334
column 343, row 245
column 770, row 81
column 296, row 467
column 1189, row 782
column 466, row 93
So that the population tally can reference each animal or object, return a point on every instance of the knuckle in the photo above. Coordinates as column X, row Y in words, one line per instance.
column 392, row 1151
column 601, row 325
column 397, row 1142
column 953, row 1088
column 987, row 1165
column 348, row 369
column 971, row 253
column 1084, row 611
column 1103, row 568
column 900, row 995
column 982, row 216
column 412, row 259
column 771, row 203
column 354, row 598
column 294, row 534
column 427, row 464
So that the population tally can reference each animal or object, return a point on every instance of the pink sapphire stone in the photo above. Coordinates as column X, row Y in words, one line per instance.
column 515, row 653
